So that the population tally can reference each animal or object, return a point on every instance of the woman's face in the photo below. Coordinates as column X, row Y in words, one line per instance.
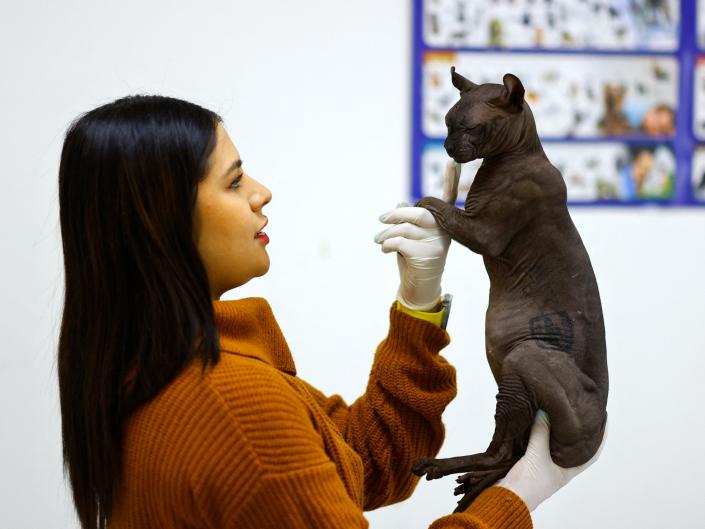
column 228, row 220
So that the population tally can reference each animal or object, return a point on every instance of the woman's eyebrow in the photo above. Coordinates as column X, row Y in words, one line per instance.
column 234, row 166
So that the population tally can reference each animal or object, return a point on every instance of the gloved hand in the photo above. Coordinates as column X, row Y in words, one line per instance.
column 535, row 477
column 421, row 246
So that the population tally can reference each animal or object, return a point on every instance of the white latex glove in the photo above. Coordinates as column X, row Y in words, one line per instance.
column 421, row 246
column 535, row 477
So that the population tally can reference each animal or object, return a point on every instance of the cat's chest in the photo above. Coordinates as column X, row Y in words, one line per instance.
column 487, row 194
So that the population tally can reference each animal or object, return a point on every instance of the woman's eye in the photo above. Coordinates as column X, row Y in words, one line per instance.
column 236, row 183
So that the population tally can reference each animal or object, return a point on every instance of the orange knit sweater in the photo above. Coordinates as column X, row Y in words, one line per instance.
column 249, row 445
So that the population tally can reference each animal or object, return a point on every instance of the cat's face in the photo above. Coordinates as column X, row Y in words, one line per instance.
column 484, row 121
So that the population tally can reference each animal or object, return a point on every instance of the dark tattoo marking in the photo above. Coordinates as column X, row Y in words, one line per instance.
column 553, row 331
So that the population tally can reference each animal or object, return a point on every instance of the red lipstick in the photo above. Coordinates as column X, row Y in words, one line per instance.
column 260, row 235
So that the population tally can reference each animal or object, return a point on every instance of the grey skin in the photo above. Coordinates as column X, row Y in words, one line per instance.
column 544, row 331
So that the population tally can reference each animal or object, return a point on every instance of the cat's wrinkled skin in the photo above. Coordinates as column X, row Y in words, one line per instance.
column 544, row 330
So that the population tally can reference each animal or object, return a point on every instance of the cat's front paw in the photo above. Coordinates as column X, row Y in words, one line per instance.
column 430, row 203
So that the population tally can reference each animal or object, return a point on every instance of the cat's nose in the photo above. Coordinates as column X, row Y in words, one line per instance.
column 448, row 147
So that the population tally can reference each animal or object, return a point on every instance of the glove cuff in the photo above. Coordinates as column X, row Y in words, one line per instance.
column 419, row 305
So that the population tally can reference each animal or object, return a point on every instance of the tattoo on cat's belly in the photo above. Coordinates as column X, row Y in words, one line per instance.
column 553, row 331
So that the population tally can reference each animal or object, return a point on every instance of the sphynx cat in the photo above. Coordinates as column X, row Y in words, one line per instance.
column 544, row 331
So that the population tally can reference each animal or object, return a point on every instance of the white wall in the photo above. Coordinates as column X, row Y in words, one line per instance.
column 316, row 97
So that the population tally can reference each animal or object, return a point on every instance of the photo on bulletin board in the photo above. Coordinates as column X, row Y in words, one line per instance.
column 618, row 105
column 583, row 96
column 579, row 24
column 592, row 171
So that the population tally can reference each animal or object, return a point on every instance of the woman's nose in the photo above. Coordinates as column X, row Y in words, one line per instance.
column 267, row 195
column 260, row 197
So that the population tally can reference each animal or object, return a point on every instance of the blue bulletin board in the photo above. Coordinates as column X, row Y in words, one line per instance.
column 617, row 88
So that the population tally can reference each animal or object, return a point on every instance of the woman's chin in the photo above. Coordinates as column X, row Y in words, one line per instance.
column 264, row 268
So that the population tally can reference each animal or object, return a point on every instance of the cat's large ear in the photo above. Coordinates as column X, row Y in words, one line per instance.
column 462, row 84
column 513, row 98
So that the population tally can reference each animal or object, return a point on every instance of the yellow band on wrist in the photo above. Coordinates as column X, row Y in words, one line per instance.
column 434, row 317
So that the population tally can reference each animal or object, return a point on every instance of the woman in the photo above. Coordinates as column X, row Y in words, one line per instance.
column 182, row 410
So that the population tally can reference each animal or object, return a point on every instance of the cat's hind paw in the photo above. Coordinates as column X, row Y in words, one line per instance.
column 432, row 468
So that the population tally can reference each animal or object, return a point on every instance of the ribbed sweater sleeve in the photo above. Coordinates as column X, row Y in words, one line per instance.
column 494, row 508
column 398, row 419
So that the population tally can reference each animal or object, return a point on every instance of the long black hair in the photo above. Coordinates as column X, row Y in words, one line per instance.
column 137, row 304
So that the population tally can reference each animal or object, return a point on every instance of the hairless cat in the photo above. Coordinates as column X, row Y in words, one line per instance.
column 544, row 331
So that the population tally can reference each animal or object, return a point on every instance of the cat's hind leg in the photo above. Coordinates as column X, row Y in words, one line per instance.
column 574, row 402
column 515, row 411
column 532, row 377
